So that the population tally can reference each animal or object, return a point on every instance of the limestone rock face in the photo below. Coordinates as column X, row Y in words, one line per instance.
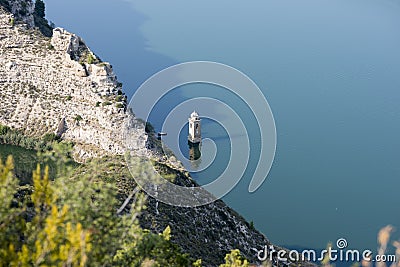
column 45, row 81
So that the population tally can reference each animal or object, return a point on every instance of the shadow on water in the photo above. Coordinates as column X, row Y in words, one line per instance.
column 115, row 38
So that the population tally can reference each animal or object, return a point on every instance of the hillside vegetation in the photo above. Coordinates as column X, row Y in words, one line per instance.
column 76, row 219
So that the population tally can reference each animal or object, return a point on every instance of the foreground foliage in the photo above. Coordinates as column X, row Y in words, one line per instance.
column 18, row 138
column 235, row 259
column 74, row 222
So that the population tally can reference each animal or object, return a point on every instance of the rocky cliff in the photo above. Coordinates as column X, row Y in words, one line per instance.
column 59, row 85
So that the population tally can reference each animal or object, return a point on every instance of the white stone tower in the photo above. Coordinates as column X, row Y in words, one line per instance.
column 194, row 128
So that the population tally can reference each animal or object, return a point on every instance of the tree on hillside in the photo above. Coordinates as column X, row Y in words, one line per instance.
column 40, row 8
column 5, row 4
column 40, row 21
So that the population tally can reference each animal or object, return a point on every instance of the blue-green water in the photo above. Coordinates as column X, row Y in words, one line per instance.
column 330, row 71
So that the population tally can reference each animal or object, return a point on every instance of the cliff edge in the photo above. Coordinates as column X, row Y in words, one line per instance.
column 58, row 85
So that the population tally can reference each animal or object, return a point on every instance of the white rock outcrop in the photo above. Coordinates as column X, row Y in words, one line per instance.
column 46, row 81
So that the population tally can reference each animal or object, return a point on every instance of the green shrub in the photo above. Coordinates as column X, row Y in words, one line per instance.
column 90, row 58
column 4, row 129
column 98, row 104
column 68, row 98
column 12, row 22
column 39, row 9
column 149, row 128
column 235, row 259
column 251, row 225
column 78, row 118
column 43, row 26
column 40, row 21
column 119, row 98
column 50, row 137
column 106, row 103
column 23, row 11
column 17, row 138
column 5, row 4
column 119, row 105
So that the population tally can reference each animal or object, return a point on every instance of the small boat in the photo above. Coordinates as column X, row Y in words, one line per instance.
column 161, row 134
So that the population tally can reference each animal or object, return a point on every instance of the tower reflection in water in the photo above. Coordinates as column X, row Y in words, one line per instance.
column 195, row 155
